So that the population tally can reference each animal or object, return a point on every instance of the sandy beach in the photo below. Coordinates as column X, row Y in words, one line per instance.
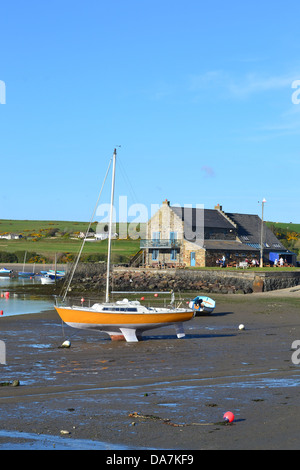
column 161, row 393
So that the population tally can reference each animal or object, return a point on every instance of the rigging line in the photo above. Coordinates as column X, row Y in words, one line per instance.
column 86, row 234
column 127, row 181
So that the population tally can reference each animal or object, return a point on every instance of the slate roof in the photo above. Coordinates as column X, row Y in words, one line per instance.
column 230, row 245
column 247, row 227
column 249, row 231
column 195, row 220
column 212, row 218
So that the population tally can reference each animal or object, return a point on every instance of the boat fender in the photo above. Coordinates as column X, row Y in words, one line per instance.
column 66, row 344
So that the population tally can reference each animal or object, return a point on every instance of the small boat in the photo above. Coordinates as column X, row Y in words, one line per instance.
column 49, row 277
column 5, row 272
column 58, row 274
column 121, row 320
column 202, row 304
column 46, row 279
column 25, row 273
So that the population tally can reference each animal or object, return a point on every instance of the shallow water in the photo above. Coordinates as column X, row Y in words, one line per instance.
column 46, row 442
column 18, row 304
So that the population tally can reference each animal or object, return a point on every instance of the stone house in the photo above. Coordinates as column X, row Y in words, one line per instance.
column 185, row 236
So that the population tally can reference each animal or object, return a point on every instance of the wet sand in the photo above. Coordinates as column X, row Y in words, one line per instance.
column 160, row 393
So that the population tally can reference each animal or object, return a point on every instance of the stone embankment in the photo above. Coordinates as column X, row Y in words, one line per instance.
column 125, row 279
column 91, row 277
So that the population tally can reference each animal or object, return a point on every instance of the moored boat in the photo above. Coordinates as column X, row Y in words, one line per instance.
column 46, row 279
column 4, row 272
column 49, row 277
column 26, row 273
column 59, row 274
column 122, row 320
column 202, row 304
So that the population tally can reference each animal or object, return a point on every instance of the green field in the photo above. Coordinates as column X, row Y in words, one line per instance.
column 36, row 240
column 286, row 226
column 26, row 227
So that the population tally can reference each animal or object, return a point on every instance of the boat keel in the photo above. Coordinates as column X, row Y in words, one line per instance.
column 130, row 335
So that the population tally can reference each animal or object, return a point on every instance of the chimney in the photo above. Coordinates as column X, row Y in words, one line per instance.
column 166, row 202
column 218, row 207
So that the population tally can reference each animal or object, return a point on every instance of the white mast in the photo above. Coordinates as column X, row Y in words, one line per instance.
column 110, row 224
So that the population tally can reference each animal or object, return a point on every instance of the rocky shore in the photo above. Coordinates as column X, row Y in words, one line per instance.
column 139, row 280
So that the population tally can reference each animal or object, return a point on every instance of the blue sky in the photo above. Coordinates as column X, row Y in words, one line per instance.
column 198, row 94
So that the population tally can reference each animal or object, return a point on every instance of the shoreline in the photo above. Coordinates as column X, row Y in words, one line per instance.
column 93, row 389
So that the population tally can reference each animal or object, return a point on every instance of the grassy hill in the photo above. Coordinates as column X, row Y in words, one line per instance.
column 41, row 245
column 285, row 226
column 26, row 227
column 288, row 234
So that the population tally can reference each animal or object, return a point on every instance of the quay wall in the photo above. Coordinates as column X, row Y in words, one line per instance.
column 92, row 277
column 222, row 281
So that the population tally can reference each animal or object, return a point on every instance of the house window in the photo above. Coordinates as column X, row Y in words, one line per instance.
column 173, row 236
column 155, row 235
column 173, row 256
column 155, row 255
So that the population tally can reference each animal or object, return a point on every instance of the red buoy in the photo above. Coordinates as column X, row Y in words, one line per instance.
column 228, row 417
column 1, row 312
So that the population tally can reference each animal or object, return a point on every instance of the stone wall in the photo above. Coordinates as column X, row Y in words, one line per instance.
column 221, row 281
column 280, row 280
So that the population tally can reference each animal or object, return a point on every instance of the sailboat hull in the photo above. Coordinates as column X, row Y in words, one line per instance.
column 128, row 326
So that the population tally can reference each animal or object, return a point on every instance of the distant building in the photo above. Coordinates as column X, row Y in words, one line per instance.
column 181, row 236
column 97, row 236
column 11, row 236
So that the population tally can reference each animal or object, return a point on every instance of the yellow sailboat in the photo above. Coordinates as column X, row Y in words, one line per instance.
column 125, row 319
